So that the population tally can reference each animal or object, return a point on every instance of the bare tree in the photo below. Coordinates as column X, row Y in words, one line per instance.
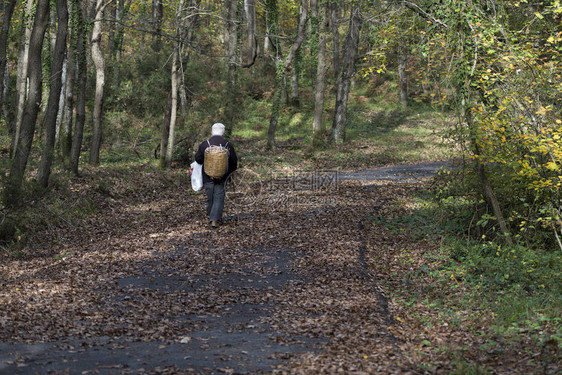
column 54, row 94
column 29, row 118
column 346, row 73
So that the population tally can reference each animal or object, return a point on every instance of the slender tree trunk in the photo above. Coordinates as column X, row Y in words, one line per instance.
column 29, row 118
column 4, row 33
column 117, row 45
column 157, row 15
column 232, row 53
column 62, row 99
column 274, row 111
column 346, row 73
column 272, row 27
column 284, row 89
column 174, row 106
column 175, row 84
column 82, row 74
column 21, row 81
column 335, row 35
column 112, row 24
column 99, row 62
column 403, row 56
column 54, row 94
column 251, row 41
column 266, row 41
column 487, row 189
column 66, row 138
column 6, row 109
column 165, row 131
column 283, row 68
column 320, row 85
column 182, row 89
column 294, row 95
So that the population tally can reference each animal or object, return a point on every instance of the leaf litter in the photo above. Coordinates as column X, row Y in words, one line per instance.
column 297, row 285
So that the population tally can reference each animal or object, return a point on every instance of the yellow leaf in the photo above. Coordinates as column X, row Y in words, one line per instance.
column 552, row 166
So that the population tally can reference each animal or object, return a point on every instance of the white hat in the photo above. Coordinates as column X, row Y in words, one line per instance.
column 217, row 129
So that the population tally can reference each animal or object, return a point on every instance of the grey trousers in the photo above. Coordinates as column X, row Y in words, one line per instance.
column 215, row 199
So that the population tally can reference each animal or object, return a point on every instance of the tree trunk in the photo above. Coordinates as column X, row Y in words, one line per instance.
column 174, row 106
column 232, row 54
column 165, row 131
column 99, row 62
column 272, row 43
column 346, row 73
column 29, row 118
column 283, row 68
column 21, row 81
column 54, row 94
column 175, row 84
column 274, row 111
column 320, row 85
column 122, row 9
column 157, row 15
column 251, row 41
column 6, row 109
column 487, row 189
column 294, row 95
column 112, row 24
column 335, row 35
column 66, row 138
column 4, row 33
column 403, row 56
column 266, row 41
column 82, row 74
column 272, row 27
column 62, row 98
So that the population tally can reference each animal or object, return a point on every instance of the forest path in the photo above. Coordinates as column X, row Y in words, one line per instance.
column 283, row 285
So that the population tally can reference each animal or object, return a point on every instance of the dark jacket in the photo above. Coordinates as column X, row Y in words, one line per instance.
column 217, row 140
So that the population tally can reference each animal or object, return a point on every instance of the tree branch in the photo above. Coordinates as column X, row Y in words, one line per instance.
column 416, row 8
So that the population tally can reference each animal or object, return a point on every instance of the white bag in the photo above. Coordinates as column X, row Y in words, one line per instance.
column 196, row 176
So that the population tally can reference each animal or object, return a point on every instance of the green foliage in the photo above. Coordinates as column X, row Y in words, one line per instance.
column 144, row 85
column 512, row 294
column 505, row 86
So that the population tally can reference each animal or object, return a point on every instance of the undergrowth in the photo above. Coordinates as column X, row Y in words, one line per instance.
column 510, row 296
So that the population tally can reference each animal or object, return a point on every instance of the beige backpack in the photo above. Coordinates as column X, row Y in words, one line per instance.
column 216, row 161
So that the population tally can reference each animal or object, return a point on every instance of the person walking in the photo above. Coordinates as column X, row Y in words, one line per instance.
column 215, row 187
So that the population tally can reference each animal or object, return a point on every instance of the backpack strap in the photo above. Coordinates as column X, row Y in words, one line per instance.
column 209, row 143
